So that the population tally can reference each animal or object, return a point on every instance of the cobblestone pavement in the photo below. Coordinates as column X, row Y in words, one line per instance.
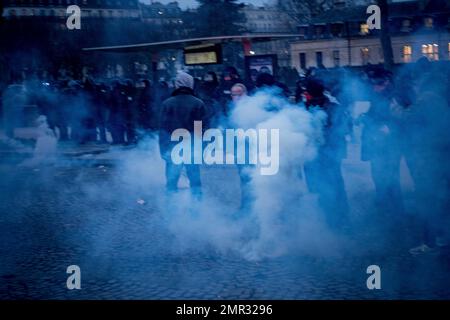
column 50, row 218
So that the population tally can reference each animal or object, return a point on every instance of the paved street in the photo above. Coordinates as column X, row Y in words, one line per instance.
column 106, row 217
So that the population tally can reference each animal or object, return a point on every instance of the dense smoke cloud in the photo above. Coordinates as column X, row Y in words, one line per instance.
column 284, row 218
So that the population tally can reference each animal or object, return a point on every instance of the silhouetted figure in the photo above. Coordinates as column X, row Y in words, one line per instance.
column 230, row 77
column 207, row 91
column 117, row 115
column 101, row 107
column 131, row 111
column 379, row 145
column 145, row 106
column 323, row 174
column 180, row 111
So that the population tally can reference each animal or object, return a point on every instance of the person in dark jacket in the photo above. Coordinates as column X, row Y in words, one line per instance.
column 160, row 92
column 144, row 105
column 266, row 80
column 131, row 111
column 88, row 120
column 207, row 91
column 379, row 145
column 180, row 111
column 230, row 77
column 323, row 174
column 117, row 115
column 101, row 103
column 428, row 120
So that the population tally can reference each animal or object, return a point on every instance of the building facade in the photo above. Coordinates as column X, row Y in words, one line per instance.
column 342, row 37
column 57, row 8
column 162, row 14
column 266, row 19
column 269, row 20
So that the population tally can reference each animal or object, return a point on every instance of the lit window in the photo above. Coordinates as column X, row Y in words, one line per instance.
column 431, row 51
column 428, row 22
column 364, row 29
column 407, row 53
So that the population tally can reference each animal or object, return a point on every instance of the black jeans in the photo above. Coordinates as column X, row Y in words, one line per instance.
column 324, row 177
column 385, row 171
column 429, row 172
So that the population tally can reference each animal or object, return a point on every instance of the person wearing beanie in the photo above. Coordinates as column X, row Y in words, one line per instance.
column 185, row 80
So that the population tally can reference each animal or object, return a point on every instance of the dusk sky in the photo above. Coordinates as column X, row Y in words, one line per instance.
column 192, row 3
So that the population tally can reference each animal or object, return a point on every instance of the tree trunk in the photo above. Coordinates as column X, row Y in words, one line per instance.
column 385, row 37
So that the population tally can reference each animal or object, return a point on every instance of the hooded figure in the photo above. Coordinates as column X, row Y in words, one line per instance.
column 179, row 112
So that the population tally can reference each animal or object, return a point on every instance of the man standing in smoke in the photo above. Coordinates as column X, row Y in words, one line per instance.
column 239, row 92
column 323, row 174
column 264, row 81
column 379, row 144
column 424, row 119
column 180, row 111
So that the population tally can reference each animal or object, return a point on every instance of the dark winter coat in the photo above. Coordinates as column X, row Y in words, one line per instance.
column 374, row 140
column 337, row 126
column 179, row 111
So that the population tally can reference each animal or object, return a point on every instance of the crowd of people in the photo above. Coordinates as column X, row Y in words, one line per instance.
column 86, row 110
column 408, row 117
